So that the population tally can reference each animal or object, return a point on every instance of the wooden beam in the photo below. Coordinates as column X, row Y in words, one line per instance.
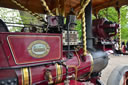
column 113, row 3
column 35, row 5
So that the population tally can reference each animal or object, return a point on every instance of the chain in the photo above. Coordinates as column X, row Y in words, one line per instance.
column 46, row 7
column 30, row 12
column 83, row 8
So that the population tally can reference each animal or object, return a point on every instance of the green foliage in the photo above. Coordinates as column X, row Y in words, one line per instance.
column 11, row 16
column 124, row 33
column 112, row 15
column 28, row 18
column 78, row 27
column 16, row 16
column 109, row 13
column 124, row 17
column 93, row 17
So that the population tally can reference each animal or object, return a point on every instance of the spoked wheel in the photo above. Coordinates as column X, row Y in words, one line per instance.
column 119, row 76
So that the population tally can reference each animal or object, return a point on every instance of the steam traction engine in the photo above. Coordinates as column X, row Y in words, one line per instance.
column 54, row 56
column 104, row 32
column 45, row 58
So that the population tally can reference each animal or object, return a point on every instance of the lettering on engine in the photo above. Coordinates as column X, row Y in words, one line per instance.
column 38, row 48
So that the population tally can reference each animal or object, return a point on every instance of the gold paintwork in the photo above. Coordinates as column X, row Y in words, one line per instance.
column 25, row 76
column 59, row 73
column 46, row 50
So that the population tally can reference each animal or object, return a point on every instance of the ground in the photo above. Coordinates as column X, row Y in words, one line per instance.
column 113, row 62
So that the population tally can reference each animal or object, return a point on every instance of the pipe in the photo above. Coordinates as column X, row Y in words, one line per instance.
column 100, row 58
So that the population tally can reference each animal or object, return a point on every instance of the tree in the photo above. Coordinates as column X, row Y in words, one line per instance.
column 16, row 16
column 29, row 19
column 10, row 16
column 112, row 15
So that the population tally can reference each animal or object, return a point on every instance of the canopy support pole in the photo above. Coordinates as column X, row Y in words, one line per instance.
column 119, row 31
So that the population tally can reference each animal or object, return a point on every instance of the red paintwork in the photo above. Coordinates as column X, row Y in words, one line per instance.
column 103, row 32
column 99, row 28
column 19, row 75
column 37, row 73
column 123, row 48
column 125, row 76
column 21, row 54
column 4, row 74
column 19, row 45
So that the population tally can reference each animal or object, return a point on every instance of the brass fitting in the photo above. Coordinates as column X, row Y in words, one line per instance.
column 48, row 76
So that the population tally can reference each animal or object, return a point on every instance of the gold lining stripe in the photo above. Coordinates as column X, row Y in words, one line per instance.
column 59, row 71
column 25, row 76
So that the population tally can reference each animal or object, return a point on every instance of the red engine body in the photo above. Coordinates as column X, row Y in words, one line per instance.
column 27, row 56
column 103, row 28
column 103, row 31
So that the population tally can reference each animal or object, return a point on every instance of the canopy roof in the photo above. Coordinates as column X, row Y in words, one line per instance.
column 61, row 5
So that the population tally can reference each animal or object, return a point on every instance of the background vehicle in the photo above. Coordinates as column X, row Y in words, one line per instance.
column 104, row 32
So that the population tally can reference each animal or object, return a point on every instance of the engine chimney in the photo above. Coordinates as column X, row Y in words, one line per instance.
column 88, row 16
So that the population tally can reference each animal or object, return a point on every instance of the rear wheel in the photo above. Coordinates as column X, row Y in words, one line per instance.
column 119, row 76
